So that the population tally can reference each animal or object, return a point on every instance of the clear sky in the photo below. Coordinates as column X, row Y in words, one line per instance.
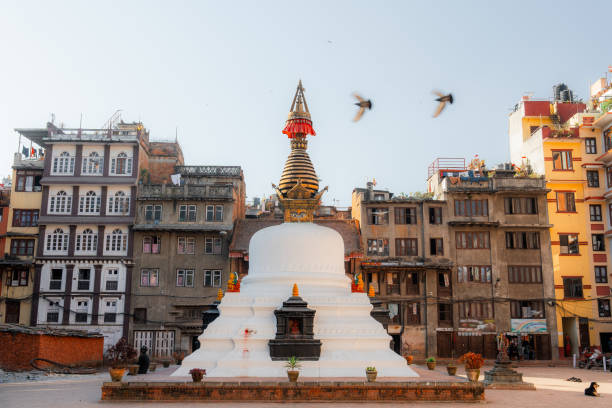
column 224, row 73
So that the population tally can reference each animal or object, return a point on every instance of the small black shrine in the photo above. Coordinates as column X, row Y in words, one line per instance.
column 295, row 331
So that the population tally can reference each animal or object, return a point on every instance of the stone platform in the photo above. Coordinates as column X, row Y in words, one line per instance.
column 302, row 391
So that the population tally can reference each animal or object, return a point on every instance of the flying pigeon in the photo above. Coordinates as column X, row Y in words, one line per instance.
column 442, row 99
column 363, row 104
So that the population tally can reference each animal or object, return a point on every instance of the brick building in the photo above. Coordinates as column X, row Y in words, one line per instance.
column 181, row 242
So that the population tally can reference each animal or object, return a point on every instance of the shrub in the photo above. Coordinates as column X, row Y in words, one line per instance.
column 472, row 360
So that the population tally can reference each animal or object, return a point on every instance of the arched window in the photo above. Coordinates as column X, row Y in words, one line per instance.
column 60, row 203
column 86, row 241
column 116, row 241
column 57, row 240
column 119, row 203
column 63, row 164
column 89, row 203
column 92, row 164
column 121, row 164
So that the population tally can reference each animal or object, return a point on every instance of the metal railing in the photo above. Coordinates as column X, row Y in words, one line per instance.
column 186, row 191
column 219, row 171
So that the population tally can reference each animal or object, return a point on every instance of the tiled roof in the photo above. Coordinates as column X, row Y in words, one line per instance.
column 348, row 229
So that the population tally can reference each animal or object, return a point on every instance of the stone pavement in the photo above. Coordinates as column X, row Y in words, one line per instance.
column 552, row 390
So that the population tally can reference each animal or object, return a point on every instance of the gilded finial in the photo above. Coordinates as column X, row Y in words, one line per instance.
column 371, row 292
column 296, row 292
column 219, row 295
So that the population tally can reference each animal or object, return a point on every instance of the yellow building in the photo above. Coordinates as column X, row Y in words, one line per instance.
column 17, row 266
column 559, row 140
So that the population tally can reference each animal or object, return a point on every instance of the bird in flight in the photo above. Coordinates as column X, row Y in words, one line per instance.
column 363, row 104
column 443, row 99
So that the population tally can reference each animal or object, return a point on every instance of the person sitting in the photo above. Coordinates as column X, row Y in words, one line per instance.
column 143, row 361
column 592, row 390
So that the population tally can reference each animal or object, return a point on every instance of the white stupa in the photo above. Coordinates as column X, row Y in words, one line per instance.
column 311, row 256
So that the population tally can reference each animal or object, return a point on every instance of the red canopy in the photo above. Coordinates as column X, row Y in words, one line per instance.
column 298, row 126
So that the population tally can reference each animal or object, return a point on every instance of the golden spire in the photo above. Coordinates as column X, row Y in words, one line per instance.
column 296, row 292
column 371, row 292
column 219, row 295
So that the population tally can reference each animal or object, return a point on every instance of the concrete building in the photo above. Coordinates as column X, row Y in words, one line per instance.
column 181, row 242
column 565, row 141
column 17, row 271
column 85, row 260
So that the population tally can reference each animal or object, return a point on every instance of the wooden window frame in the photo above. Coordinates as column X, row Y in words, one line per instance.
column 563, row 154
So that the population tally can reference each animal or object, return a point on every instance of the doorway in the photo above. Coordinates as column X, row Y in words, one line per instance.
column 12, row 311
column 396, row 343
column 583, row 327
column 570, row 330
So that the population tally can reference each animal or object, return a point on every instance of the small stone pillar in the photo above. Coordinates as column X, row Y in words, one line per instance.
column 502, row 376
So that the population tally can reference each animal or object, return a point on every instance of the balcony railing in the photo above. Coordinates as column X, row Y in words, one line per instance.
column 218, row 171
column 187, row 191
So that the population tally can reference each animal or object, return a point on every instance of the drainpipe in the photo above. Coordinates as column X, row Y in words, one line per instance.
column 421, row 207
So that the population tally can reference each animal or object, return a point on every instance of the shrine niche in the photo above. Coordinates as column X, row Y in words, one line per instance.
column 295, row 331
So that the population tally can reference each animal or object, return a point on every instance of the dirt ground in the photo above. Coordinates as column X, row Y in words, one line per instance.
column 552, row 391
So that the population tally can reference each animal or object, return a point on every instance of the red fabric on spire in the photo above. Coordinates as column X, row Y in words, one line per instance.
column 294, row 126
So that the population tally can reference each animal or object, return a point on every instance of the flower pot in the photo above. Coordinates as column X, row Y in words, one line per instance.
column 293, row 375
column 166, row 364
column 452, row 370
column 371, row 375
column 431, row 365
column 116, row 374
column 179, row 361
column 409, row 359
column 472, row 374
column 197, row 377
column 152, row 367
column 133, row 369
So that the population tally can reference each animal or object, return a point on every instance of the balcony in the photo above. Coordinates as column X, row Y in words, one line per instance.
column 186, row 192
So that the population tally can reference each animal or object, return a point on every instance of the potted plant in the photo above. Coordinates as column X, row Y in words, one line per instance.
column 451, row 368
column 197, row 374
column 473, row 362
column 178, row 356
column 371, row 374
column 119, row 355
column 431, row 363
column 409, row 358
column 293, row 364
column 166, row 363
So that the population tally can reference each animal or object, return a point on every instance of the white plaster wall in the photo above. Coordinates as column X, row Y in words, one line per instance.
column 119, row 310
column 75, row 277
column 43, row 306
column 121, row 277
column 45, row 277
column 73, row 308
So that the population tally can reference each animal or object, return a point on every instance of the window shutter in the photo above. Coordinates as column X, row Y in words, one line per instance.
column 113, row 165
column 129, row 166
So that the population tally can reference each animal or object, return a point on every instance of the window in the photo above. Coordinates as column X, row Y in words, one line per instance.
column 187, row 213
column 378, row 247
column 445, row 312
column 480, row 274
column 212, row 245
column 81, row 311
column 28, row 181
column 153, row 212
column 212, row 278
column 186, row 245
column 25, row 218
column 598, row 242
column 406, row 247
column 140, row 315
column 436, row 246
column 572, row 287
column 17, row 277
column 117, row 241
column 472, row 240
column 603, row 305
column 84, row 279
column 60, row 203
column 184, row 278
column 523, row 240
column 525, row 274
column 119, row 203
column 566, row 202
column 592, row 178
column 53, row 311
column 57, row 241
column 413, row 313
column 527, row 309
column 562, row 159
column 435, row 215
column 601, row 274
column 393, row 283
column 110, row 311
column 590, row 145
column 112, row 279
column 149, row 277
column 378, row 216
column 22, row 247
column 475, row 310
column 521, row 205
column 151, row 245
column 405, row 215
column 89, row 203
column 87, row 241
column 412, row 283
column 569, row 243
column 121, row 165
column 471, row 208
column 93, row 164
column 63, row 164
column 55, row 283
column 609, row 176
column 595, row 211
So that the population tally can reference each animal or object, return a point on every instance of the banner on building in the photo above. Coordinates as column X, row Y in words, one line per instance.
column 476, row 327
column 528, row 325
